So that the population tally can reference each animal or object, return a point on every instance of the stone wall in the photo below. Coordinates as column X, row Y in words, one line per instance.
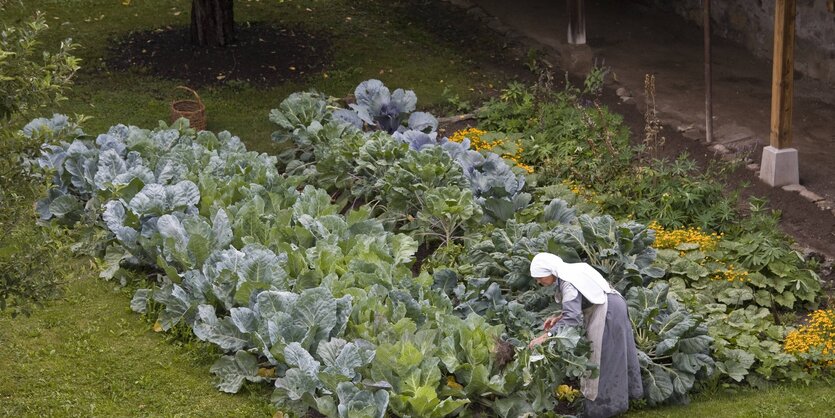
column 751, row 22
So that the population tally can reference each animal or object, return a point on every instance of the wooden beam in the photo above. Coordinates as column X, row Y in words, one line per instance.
column 783, row 72
column 708, row 77
column 576, row 22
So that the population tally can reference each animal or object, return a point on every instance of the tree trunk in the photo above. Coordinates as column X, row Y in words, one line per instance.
column 212, row 22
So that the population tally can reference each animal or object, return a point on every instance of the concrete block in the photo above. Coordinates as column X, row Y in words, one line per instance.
column 793, row 188
column 779, row 166
column 810, row 196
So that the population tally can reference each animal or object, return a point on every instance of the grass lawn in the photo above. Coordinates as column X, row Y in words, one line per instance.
column 87, row 354
column 779, row 401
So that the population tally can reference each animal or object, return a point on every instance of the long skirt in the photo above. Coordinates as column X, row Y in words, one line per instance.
column 620, row 373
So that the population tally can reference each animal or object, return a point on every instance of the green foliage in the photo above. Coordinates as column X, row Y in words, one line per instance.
column 569, row 138
column 562, row 356
column 512, row 112
column 455, row 102
column 673, row 193
column 310, row 286
column 30, row 262
column 29, row 78
column 675, row 347
column 566, row 139
column 411, row 366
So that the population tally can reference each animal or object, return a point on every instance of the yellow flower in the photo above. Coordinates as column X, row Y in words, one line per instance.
column 566, row 393
column 478, row 143
column 452, row 383
column 814, row 341
column 673, row 238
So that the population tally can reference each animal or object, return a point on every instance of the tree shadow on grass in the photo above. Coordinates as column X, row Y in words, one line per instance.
column 262, row 55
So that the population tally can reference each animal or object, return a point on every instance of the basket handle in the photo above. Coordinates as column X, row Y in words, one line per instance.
column 196, row 96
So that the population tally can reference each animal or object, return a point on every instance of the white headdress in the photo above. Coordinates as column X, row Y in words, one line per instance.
column 583, row 276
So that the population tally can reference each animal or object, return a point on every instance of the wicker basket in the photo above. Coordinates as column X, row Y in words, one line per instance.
column 193, row 110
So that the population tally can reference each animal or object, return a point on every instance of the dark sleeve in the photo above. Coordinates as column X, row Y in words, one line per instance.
column 572, row 310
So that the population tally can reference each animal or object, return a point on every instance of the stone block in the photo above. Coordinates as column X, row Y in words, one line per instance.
column 794, row 188
column 779, row 166
column 825, row 204
column 810, row 196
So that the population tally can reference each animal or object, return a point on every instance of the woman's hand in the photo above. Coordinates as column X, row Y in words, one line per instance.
column 538, row 340
column 550, row 322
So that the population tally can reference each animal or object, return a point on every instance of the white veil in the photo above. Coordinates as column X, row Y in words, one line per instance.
column 583, row 276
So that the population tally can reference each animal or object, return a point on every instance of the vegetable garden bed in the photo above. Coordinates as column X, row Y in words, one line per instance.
column 299, row 265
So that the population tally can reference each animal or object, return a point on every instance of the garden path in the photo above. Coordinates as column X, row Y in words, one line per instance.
column 635, row 41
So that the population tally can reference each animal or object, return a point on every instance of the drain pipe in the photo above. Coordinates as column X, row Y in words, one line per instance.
column 708, row 78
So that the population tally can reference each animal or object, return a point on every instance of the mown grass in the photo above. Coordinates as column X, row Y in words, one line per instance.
column 87, row 354
column 779, row 401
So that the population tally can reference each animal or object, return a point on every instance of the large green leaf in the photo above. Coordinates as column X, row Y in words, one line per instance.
column 232, row 371
column 736, row 364
column 356, row 403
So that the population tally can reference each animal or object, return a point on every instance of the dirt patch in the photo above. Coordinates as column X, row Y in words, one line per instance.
column 261, row 55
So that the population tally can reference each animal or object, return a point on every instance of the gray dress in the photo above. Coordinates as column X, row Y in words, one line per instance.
column 620, row 373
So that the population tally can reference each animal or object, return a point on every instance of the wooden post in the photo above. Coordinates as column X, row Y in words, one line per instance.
column 779, row 163
column 783, row 73
column 576, row 22
column 708, row 78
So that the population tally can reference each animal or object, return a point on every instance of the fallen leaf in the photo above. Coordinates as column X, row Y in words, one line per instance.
column 157, row 327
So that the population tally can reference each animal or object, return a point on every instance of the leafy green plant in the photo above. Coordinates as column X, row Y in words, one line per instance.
column 31, row 78
column 377, row 106
column 674, row 194
column 410, row 365
column 673, row 343
column 593, row 82
column 561, row 357
column 455, row 101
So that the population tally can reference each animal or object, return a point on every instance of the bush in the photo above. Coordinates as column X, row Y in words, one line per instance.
column 30, row 79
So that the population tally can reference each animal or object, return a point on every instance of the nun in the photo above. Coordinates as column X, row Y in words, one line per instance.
column 588, row 299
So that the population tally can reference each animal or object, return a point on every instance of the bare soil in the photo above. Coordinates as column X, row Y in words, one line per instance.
column 261, row 55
